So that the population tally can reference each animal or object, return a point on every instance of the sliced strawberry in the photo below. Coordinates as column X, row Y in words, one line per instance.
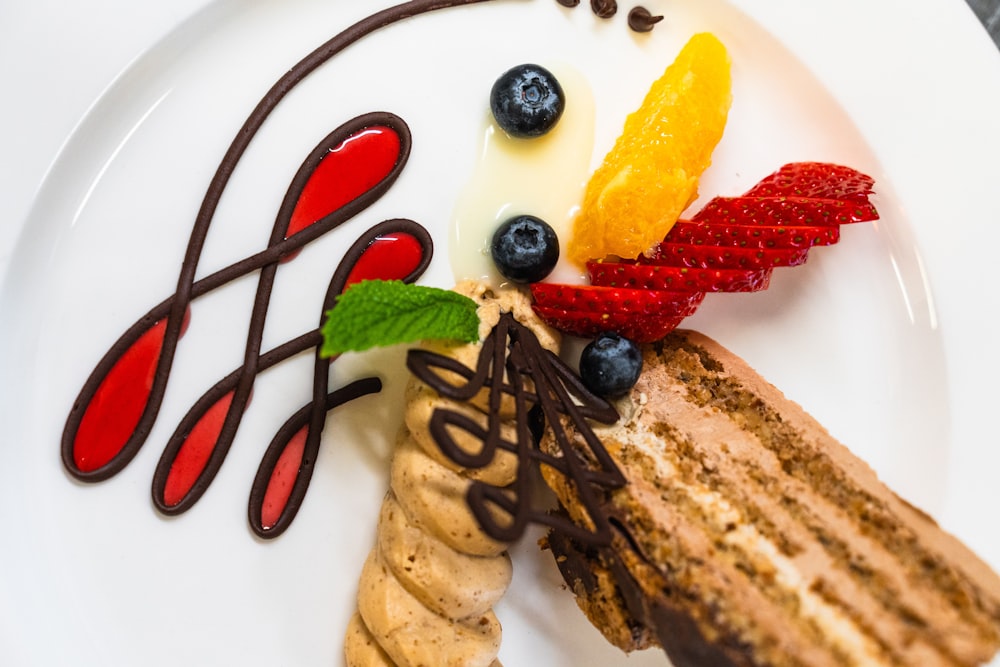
column 656, row 277
column 797, row 211
column 815, row 179
column 731, row 245
column 751, row 236
column 644, row 328
column 700, row 256
column 603, row 299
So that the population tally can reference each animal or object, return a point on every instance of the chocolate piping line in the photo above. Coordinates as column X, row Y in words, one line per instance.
column 176, row 306
column 311, row 339
column 555, row 385
column 270, row 256
column 316, row 410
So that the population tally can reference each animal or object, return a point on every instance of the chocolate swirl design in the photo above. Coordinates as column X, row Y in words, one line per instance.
column 200, row 454
column 97, row 445
column 513, row 363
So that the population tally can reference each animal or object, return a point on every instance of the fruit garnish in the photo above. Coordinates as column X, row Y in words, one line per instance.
column 639, row 314
column 733, row 244
column 656, row 278
column 816, row 180
column 640, row 328
column 603, row 299
column 786, row 210
column 701, row 256
column 525, row 249
column 725, row 234
column 610, row 365
column 527, row 101
column 375, row 313
column 651, row 174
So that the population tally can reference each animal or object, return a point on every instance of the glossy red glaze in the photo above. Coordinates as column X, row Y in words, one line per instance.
column 279, row 487
column 390, row 257
column 193, row 455
column 350, row 169
column 114, row 412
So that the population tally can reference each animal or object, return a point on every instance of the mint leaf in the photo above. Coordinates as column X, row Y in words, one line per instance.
column 375, row 313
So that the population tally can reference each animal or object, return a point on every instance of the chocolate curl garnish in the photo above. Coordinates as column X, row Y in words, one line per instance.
column 513, row 363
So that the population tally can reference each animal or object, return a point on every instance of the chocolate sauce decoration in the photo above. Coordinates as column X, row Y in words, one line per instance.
column 604, row 9
column 641, row 20
column 199, row 445
column 512, row 362
column 146, row 350
column 81, row 432
column 267, row 517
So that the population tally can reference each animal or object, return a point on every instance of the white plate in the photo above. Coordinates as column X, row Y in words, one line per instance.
column 887, row 337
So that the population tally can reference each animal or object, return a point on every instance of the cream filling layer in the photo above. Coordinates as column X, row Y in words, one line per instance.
column 721, row 513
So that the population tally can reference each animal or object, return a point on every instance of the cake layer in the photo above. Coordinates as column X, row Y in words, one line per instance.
column 748, row 530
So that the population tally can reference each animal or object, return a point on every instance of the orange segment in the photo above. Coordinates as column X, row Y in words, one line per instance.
column 651, row 174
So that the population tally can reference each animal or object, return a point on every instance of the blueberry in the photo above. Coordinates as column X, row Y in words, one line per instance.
column 525, row 249
column 610, row 365
column 527, row 101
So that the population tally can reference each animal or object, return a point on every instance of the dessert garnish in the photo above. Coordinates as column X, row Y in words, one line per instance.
column 525, row 249
column 664, row 147
column 386, row 312
column 527, row 101
column 604, row 9
column 610, row 365
column 512, row 363
column 641, row 20
column 732, row 244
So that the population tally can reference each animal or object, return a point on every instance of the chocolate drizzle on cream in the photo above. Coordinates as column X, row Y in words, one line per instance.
column 513, row 363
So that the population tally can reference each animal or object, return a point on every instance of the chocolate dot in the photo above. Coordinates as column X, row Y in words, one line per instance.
column 568, row 3
column 640, row 20
column 605, row 9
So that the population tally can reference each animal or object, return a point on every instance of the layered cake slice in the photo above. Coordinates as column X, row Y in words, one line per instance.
column 747, row 535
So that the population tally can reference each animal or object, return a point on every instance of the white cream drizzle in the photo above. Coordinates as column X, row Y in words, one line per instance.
column 544, row 177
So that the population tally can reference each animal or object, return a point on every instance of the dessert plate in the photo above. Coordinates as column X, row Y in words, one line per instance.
column 886, row 337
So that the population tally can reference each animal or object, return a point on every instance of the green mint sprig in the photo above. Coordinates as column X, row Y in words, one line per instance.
column 376, row 313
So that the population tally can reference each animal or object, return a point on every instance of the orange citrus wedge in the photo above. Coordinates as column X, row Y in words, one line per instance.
column 651, row 174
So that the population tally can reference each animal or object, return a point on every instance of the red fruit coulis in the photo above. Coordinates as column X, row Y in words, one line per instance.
column 345, row 174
